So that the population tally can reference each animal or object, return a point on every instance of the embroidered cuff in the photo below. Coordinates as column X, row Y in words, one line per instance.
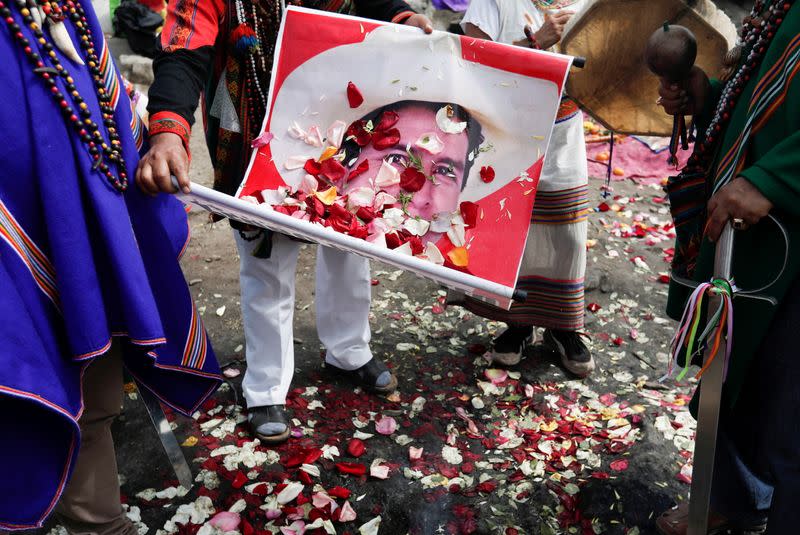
column 401, row 17
column 166, row 121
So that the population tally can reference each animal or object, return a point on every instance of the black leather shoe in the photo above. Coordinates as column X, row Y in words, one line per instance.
column 269, row 423
column 374, row 376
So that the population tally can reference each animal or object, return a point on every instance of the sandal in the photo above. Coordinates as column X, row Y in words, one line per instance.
column 269, row 423
column 374, row 376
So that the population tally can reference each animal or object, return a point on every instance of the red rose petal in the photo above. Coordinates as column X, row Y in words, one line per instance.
column 362, row 168
column 487, row 173
column 312, row 167
column 356, row 447
column 358, row 131
column 603, row 207
column 411, row 179
column 313, row 456
column 386, row 139
column 366, row 214
column 469, row 211
column 354, row 96
column 393, row 240
column 356, row 469
column 332, row 169
column 593, row 307
column 487, row 486
column 239, row 480
column 339, row 492
column 619, row 465
column 388, row 119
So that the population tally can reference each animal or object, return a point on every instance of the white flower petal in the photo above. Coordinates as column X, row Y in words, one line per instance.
column 404, row 249
column 378, row 238
column 348, row 514
column 275, row 197
column 335, row 133
column 290, row 492
column 446, row 124
column 441, row 222
column 393, row 217
column 371, row 527
column 314, row 137
column 362, row 196
column 457, row 235
column 417, row 227
column 387, row 176
column 433, row 253
column 296, row 132
column 382, row 199
column 295, row 162
column 430, row 142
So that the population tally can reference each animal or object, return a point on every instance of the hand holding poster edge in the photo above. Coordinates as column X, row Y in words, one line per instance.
column 238, row 209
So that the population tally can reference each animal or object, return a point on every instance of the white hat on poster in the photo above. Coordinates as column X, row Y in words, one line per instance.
column 396, row 63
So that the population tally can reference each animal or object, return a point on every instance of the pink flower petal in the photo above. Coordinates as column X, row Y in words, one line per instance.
column 414, row 454
column 262, row 140
column 386, row 425
column 496, row 376
column 225, row 521
column 347, row 514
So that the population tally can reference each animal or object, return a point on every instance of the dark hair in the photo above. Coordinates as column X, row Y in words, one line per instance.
column 474, row 134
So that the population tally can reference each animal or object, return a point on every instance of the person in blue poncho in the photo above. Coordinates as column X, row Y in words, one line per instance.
column 89, row 273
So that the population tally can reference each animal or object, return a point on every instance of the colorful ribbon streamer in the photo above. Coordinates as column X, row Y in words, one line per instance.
column 721, row 322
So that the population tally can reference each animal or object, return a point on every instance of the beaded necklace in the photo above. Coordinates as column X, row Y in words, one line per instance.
column 51, row 71
column 757, row 32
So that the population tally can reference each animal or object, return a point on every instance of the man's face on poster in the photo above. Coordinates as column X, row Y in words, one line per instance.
column 445, row 169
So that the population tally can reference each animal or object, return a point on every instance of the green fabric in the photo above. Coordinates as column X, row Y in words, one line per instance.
column 773, row 166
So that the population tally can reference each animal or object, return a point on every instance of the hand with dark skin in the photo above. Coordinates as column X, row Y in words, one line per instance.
column 548, row 35
column 167, row 155
column 737, row 200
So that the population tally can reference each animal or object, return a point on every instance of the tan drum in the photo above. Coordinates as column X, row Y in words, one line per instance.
column 615, row 86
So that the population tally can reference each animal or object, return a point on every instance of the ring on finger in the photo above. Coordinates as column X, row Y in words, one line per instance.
column 738, row 223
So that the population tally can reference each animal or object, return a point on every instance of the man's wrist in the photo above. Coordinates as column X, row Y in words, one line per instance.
column 402, row 17
column 168, row 122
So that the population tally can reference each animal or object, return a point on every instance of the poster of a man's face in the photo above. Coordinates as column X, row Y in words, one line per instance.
column 427, row 146
column 432, row 164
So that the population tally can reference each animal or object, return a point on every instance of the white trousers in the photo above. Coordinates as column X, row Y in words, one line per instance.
column 343, row 295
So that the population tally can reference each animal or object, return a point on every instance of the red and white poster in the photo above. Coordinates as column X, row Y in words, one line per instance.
column 423, row 151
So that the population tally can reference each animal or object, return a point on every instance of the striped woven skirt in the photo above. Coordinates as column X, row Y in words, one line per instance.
column 554, row 262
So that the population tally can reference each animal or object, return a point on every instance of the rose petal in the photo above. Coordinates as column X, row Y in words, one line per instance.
column 378, row 238
column 388, row 119
column 393, row 217
column 417, row 227
column 412, row 180
column 335, row 133
column 314, row 137
column 378, row 470
column 430, row 142
column 457, row 235
column 356, row 447
column 347, row 513
column 445, row 122
column 414, row 454
column 308, row 185
column 433, row 253
column 385, row 139
column 388, row 175
column 332, row 170
column 295, row 162
column 360, row 197
column 371, row 527
column 290, row 492
column 329, row 152
column 356, row 469
column 275, row 197
column 322, row 500
column 619, row 465
column 354, row 96
column 386, row 425
column 405, row 249
column 225, row 521
column 362, row 168
column 296, row 132
column 262, row 140
column 459, row 256
column 382, row 199
column 469, row 212
column 496, row 376
column 487, row 173
column 441, row 222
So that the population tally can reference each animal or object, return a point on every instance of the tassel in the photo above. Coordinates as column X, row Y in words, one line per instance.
column 63, row 41
column 244, row 40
